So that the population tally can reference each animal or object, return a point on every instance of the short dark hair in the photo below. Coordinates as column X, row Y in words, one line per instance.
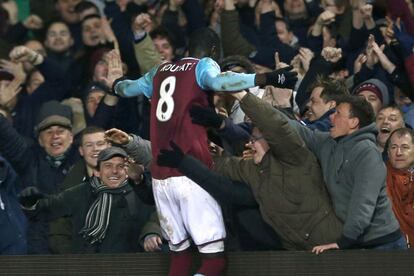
column 204, row 43
column 90, row 16
column 90, row 130
column 162, row 32
column 401, row 132
column 359, row 108
column 281, row 19
column 85, row 5
column 332, row 89
column 49, row 24
column 393, row 106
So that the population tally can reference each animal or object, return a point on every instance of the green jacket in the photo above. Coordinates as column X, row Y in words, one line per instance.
column 287, row 184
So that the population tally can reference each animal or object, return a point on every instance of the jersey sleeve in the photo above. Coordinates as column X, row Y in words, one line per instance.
column 132, row 88
column 210, row 77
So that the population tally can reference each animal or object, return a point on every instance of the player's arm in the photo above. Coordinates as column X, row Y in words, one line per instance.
column 210, row 77
column 131, row 88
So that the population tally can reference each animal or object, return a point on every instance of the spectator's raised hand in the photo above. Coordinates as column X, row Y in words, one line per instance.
column 305, row 56
column 387, row 30
column 325, row 18
column 25, row 54
column 12, row 11
column 9, row 91
column 383, row 59
column 279, row 97
column 142, row 23
column 366, row 11
column 115, row 71
column 16, row 69
column 278, row 63
column 170, row 158
column 359, row 61
column 331, row 54
column 152, row 243
column 248, row 152
column 117, row 136
column 33, row 22
column 109, row 35
column 372, row 57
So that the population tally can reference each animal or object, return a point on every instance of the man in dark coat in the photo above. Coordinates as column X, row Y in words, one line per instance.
column 107, row 215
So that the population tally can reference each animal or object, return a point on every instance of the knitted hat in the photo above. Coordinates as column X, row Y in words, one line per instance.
column 375, row 86
column 53, row 113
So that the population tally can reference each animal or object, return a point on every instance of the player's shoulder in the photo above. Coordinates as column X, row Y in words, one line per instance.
column 207, row 62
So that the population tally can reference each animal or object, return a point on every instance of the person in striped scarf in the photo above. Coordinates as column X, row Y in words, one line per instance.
column 108, row 216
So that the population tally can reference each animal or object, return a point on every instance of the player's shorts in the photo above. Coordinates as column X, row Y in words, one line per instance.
column 186, row 210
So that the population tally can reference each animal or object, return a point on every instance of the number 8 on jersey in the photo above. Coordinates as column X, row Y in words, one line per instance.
column 165, row 106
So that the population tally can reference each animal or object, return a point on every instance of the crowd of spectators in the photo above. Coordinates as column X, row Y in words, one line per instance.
column 327, row 164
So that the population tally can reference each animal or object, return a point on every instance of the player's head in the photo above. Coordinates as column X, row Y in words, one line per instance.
column 204, row 43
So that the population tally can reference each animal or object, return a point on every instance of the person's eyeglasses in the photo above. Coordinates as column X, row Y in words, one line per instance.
column 254, row 139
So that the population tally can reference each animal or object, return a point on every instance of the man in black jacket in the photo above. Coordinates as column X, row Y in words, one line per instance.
column 43, row 164
column 107, row 215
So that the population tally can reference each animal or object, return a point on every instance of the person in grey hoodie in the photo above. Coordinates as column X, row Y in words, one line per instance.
column 355, row 177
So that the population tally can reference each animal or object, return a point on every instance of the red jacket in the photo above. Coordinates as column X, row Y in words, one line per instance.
column 400, row 189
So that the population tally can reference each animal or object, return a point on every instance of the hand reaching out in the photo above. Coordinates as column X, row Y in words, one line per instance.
column 117, row 136
column 361, row 59
column 33, row 22
column 322, row 248
column 115, row 71
column 331, row 54
column 142, row 23
column 25, row 54
column 366, row 11
column 305, row 56
column 16, row 69
column 9, row 91
column 152, row 243
column 372, row 57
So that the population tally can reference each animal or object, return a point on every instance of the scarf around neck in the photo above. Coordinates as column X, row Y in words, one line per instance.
column 98, row 216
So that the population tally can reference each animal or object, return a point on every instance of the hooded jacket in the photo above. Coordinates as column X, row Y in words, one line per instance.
column 355, row 175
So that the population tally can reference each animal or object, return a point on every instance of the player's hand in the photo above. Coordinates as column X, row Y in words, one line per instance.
column 170, row 158
column 152, row 243
column 283, row 78
column 206, row 117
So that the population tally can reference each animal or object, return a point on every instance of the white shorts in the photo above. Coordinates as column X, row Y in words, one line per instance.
column 186, row 210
